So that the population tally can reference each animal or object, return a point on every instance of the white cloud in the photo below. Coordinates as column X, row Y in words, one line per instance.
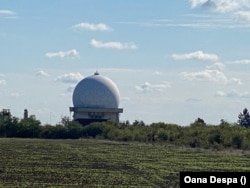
column 63, row 54
column 220, row 93
column 210, row 75
column 242, row 16
column 7, row 12
column 232, row 93
column 235, row 81
column 221, row 6
column 2, row 82
column 70, row 77
column 92, row 27
column 216, row 66
column 196, row 3
column 42, row 73
column 196, row 21
column 149, row 87
column 206, row 75
column 242, row 61
column 113, row 45
column 198, row 55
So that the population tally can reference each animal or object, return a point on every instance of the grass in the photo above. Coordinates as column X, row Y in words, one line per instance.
column 99, row 163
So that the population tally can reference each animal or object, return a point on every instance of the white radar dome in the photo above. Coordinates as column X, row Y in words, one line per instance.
column 96, row 91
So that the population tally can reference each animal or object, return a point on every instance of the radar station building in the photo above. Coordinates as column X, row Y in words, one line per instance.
column 95, row 99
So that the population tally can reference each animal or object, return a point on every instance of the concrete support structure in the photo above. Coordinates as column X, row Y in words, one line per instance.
column 88, row 115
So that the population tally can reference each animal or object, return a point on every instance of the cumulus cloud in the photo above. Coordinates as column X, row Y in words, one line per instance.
column 2, row 82
column 42, row 73
column 206, row 75
column 113, row 45
column 232, row 93
column 242, row 16
column 147, row 86
column 211, row 76
column 91, row 26
column 63, row 54
column 216, row 66
column 221, row 6
column 198, row 55
column 70, row 77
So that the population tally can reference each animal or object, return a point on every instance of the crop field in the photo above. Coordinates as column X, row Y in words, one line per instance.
column 99, row 163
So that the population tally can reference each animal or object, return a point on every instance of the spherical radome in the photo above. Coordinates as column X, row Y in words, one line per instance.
column 96, row 91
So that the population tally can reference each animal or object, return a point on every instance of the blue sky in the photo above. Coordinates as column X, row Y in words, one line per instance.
column 173, row 61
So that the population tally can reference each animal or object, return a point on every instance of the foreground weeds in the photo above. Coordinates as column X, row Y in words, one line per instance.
column 98, row 163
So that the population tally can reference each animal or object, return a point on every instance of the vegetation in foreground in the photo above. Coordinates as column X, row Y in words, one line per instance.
column 100, row 163
column 197, row 135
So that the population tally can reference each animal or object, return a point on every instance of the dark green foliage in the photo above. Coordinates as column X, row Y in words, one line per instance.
column 244, row 118
column 198, row 122
column 11, row 130
column 74, row 130
column 55, row 132
column 138, row 123
column 93, row 129
column 29, row 128
column 197, row 135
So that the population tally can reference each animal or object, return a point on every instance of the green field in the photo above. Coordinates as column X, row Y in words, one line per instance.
column 99, row 163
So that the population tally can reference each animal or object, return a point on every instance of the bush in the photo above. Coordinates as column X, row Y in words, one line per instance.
column 197, row 135
column 92, row 130
column 74, row 130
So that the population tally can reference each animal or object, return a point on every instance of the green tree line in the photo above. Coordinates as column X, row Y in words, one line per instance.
column 196, row 135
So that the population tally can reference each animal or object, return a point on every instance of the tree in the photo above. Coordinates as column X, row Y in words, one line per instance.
column 74, row 129
column 11, row 126
column 244, row 118
column 65, row 121
column 198, row 122
column 138, row 123
column 29, row 128
column 93, row 129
